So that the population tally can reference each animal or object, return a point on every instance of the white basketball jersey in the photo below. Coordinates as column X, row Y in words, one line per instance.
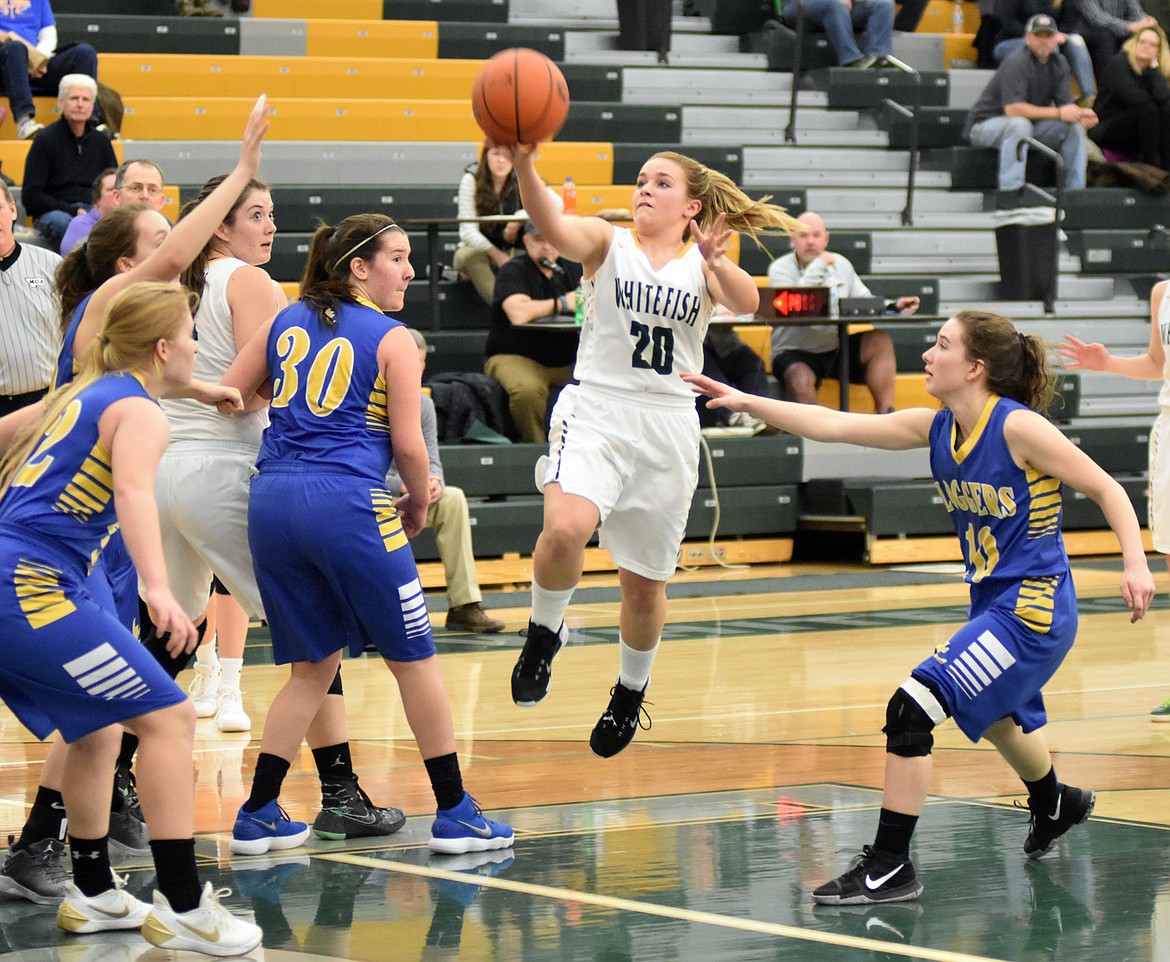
column 644, row 327
column 1164, row 334
column 190, row 420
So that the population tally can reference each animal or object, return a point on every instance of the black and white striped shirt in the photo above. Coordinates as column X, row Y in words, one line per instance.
column 30, row 333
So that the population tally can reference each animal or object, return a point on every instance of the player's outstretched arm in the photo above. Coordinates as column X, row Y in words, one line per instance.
column 897, row 431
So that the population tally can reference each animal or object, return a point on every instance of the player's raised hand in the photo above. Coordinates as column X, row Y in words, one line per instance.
column 254, row 133
column 713, row 244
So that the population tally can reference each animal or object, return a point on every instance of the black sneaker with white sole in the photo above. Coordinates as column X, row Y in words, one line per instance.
column 347, row 812
column 36, row 873
column 872, row 878
column 533, row 672
column 1073, row 806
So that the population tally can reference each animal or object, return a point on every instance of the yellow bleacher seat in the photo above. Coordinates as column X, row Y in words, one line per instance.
column 759, row 338
column 939, row 17
column 346, row 78
column 958, row 46
column 586, row 163
column 13, row 152
column 372, row 38
column 909, row 392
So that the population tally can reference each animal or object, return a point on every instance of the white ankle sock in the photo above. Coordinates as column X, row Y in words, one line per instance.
column 205, row 654
column 229, row 672
column 548, row 608
column 636, row 665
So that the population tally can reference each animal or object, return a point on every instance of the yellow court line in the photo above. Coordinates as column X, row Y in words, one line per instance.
column 664, row 911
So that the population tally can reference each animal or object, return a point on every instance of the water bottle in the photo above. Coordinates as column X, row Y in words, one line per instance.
column 579, row 313
column 957, row 24
column 834, row 302
column 569, row 196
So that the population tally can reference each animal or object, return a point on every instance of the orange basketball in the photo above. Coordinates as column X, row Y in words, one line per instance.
column 520, row 97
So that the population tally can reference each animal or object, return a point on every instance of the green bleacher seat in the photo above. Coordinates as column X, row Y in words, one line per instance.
column 123, row 8
column 856, row 245
column 298, row 208
column 1082, row 512
column 778, row 43
column 110, row 33
column 455, row 351
column 1114, row 208
column 897, row 506
column 491, row 470
column 628, row 159
column 759, row 460
column 444, row 11
column 937, row 126
column 1119, row 251
column 863, row 89
column 758, row 510
column 476, row 41
column 593, row 82
column 736, row 16
column 460, row 307
column 622, row 122
column 977, row 168
column 1118, row 449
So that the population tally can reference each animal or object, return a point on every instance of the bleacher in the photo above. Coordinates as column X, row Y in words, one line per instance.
column 355, row 130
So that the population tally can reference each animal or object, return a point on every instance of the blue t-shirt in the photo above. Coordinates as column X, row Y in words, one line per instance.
column 328, row 410
column 26, row 17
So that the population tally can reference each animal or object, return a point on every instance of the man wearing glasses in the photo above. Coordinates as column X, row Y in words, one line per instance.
column 140, row 182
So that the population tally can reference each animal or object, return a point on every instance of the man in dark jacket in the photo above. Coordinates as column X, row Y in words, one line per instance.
column 64, row 160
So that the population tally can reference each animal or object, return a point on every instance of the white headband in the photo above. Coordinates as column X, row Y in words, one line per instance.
column 349, row 252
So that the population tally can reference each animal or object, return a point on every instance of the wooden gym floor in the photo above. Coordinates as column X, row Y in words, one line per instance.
column 759, row 780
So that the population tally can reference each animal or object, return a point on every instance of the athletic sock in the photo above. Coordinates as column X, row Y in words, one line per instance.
column 266, row 781
column 548, row 608
column 446, row 779
column 636, row 665
column 333, row 763
column 894, row 832
column 126, row 752
column 229, row 673
column 1042, row 794
column 46, row 820
column 206, row 655
column 91, row 864
column 177, row 877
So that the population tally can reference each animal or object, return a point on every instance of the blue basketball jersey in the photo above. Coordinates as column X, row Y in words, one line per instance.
column 1007, row 519
column 64, row 490
column 328, row 407
column 66, row 363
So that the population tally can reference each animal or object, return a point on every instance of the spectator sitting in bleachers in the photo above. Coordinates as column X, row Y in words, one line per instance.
column 64, row 160
column 30, row 63
column 728, row 360
column 1030, row 95
column 1106, row 23
column 803, row 355
column 1134, row 103
column 533, row 286
column 447, row 514
column 105, row 199
column 1013, row 16
column 140, row 181
column 839, row 19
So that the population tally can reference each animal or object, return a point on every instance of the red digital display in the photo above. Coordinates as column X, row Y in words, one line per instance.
column 801, row 302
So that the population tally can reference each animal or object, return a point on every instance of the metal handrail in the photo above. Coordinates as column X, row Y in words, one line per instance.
column 1058, row 203
column 790, row 130
column 913, row 113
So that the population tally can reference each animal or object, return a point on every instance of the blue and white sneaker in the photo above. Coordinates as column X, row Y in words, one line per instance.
column 464, row 828
column 267, row 829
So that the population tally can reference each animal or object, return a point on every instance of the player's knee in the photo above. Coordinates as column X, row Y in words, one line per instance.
column 909, row 728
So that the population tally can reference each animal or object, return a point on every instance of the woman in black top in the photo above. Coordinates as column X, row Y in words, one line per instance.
column 1134, row 100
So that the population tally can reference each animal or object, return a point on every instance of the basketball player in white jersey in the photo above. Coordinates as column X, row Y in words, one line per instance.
column 624, row 442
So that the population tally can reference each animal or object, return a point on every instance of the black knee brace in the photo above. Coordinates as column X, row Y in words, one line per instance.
column 156, row 644
column 335, row 686
column 908, row 727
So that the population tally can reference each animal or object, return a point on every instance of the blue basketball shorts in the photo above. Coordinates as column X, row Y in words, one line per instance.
column 334, row 568
column 995, row 666
column 67, row 662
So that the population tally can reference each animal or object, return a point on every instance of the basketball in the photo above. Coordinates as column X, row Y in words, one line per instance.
column 520, row 97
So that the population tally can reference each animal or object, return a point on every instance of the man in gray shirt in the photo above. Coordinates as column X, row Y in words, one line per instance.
column 1030, row 96
column 449, row 517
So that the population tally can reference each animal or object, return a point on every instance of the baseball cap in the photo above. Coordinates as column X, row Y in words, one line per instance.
column 1041, row 23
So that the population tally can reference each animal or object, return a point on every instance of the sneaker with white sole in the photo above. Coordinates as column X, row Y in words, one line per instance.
column 27, row 128
column 108, row 911
column 229, row 711
column 267, row 829
column 203, row 689
column 872, row 878
column 210, row 928
column 36, row 872
column 464, row 828
column 128, row 835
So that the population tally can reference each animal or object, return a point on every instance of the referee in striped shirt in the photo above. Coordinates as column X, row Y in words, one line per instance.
column 30, row 334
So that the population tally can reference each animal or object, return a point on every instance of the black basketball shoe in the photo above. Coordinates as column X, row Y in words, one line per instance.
column 347, row 812
column 1073, row 806
column 36, row 873
column 533, row 672
column 873, row 877
column 616, row 728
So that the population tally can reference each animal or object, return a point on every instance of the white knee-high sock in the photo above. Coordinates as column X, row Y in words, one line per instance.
column 636, row 665
column 548, row 608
